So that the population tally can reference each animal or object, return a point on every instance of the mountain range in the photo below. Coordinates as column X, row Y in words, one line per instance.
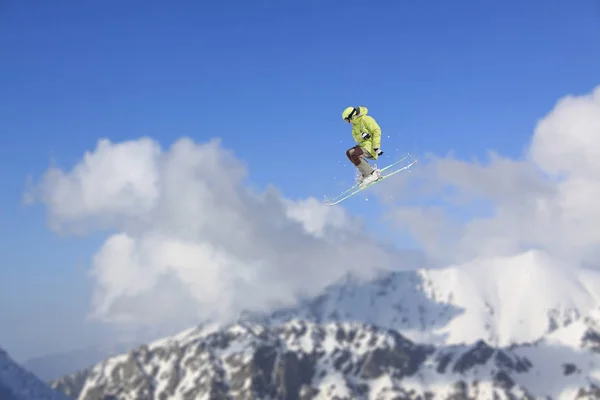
column 525, row 327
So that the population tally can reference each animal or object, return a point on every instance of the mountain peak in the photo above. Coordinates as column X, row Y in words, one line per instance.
column 502, row 300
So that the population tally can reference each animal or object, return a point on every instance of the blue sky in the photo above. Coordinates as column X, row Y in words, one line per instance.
column 270, row 79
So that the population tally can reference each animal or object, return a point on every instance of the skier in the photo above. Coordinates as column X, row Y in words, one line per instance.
column 367, row 134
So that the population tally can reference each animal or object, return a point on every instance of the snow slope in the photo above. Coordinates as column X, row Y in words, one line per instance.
column 502, row 301
column 18, row 384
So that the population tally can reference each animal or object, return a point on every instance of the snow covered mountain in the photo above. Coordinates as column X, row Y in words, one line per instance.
column 18, row 384
column 520, row 328
column 303, row 360
column 503, row 301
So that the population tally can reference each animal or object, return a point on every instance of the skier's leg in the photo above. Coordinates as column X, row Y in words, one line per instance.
column 357, row 155
column 369, row 174
column 369, row 156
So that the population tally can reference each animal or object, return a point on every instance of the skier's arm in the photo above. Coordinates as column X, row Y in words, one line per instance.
column 375, row 131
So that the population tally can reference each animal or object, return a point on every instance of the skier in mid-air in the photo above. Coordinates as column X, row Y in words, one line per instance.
column 367, row 134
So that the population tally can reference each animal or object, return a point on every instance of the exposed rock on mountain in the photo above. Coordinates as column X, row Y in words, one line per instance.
column 303, row 360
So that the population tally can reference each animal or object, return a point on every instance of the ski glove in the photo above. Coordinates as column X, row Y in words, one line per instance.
column 366, row 135
column 378, row 151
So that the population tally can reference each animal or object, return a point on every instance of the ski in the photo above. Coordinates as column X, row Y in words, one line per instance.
column 343, row 196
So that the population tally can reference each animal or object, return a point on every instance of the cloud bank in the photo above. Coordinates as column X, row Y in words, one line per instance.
column 190, row 241
column 546, row 200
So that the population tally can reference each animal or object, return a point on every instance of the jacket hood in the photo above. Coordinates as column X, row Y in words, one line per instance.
column 362, row 111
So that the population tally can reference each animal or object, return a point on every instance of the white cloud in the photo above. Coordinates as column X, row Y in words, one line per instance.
column 108, row 183
column 546, row 200
column 191, row 240
column 567, row 140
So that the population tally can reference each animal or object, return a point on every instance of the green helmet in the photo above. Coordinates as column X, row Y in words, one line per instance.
column 349, row 112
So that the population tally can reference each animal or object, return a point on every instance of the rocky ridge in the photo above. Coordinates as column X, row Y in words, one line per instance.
column 303, row 360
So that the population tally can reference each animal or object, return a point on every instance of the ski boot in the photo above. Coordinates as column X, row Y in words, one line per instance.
column 374, row 176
